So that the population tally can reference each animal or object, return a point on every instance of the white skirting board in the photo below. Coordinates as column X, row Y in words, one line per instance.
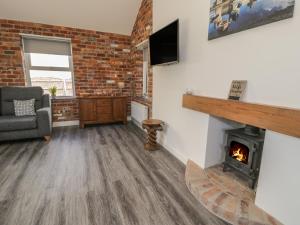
column 175, row 153
column 66, row 123
column 73, row 123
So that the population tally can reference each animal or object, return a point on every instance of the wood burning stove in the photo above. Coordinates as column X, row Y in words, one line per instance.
column 244, row 151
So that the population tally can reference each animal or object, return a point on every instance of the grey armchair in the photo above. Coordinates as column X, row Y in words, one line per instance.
column 21, row 127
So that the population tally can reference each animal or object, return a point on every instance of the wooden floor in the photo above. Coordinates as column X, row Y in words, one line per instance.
column 95, row 176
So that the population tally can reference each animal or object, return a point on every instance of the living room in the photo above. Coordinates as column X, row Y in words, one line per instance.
column 119, row 133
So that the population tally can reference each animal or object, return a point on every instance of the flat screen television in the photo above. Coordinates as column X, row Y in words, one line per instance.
column 164, row 43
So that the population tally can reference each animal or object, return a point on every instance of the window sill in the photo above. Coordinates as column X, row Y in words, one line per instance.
column 63, row 98
column 143, row 100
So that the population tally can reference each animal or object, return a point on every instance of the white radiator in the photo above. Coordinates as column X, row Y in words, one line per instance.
column 139, row 112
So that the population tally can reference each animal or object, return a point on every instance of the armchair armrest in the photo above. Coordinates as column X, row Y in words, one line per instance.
column 44, row 121
column 46, row 101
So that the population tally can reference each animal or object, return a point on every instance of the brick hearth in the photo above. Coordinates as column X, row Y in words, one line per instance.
column 225, row 195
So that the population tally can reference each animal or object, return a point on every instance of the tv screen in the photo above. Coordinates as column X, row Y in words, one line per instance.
column 164, row 45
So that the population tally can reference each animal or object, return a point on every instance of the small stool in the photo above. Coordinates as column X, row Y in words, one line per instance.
column 152, row 126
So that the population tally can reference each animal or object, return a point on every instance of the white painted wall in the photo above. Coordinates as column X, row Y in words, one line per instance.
column 279, row 181
column 267, row 56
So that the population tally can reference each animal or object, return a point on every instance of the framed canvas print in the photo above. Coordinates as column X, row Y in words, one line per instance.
column 232, row 16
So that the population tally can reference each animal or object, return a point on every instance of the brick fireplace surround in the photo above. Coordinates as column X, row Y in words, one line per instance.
column 97, row 57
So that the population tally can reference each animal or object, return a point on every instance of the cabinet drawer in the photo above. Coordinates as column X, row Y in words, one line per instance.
column 104, row 102
column 104, row 110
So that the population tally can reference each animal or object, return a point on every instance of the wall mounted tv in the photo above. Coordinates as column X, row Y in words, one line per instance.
column 164, row 45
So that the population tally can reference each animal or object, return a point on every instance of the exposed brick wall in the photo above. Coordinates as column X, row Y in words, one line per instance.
column 141, row 32
column 97, row 57
column 143, row 24
column 65, row 109
column 11, row 68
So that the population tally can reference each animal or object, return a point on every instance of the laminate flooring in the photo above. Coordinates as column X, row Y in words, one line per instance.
column 95, row 176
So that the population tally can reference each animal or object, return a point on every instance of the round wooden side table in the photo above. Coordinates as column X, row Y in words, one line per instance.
column 152, row 126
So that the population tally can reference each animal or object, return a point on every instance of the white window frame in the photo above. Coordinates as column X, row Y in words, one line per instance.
column 145, row 70
column 28, row 66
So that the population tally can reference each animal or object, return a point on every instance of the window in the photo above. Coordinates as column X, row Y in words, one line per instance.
column 145, row 70
column 48, row 63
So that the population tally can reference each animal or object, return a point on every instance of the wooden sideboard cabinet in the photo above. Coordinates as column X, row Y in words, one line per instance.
column 101, row 110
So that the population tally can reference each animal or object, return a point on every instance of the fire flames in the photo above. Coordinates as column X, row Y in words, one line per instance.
column 239, row 155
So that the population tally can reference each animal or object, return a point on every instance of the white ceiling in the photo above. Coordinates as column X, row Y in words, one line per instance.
column 116, row 16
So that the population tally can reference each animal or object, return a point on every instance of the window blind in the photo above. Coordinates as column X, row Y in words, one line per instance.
column 46, row 46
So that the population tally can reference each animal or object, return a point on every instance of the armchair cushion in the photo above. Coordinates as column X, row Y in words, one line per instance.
column 24, row 107
column 14, row 123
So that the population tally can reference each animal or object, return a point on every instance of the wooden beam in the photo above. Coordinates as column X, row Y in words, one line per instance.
column 279, row 119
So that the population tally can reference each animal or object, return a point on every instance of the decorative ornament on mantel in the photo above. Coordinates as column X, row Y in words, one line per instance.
column 237, row 89
column 189, row 91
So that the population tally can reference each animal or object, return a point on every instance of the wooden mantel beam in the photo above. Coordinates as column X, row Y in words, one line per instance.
column 279, row 119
